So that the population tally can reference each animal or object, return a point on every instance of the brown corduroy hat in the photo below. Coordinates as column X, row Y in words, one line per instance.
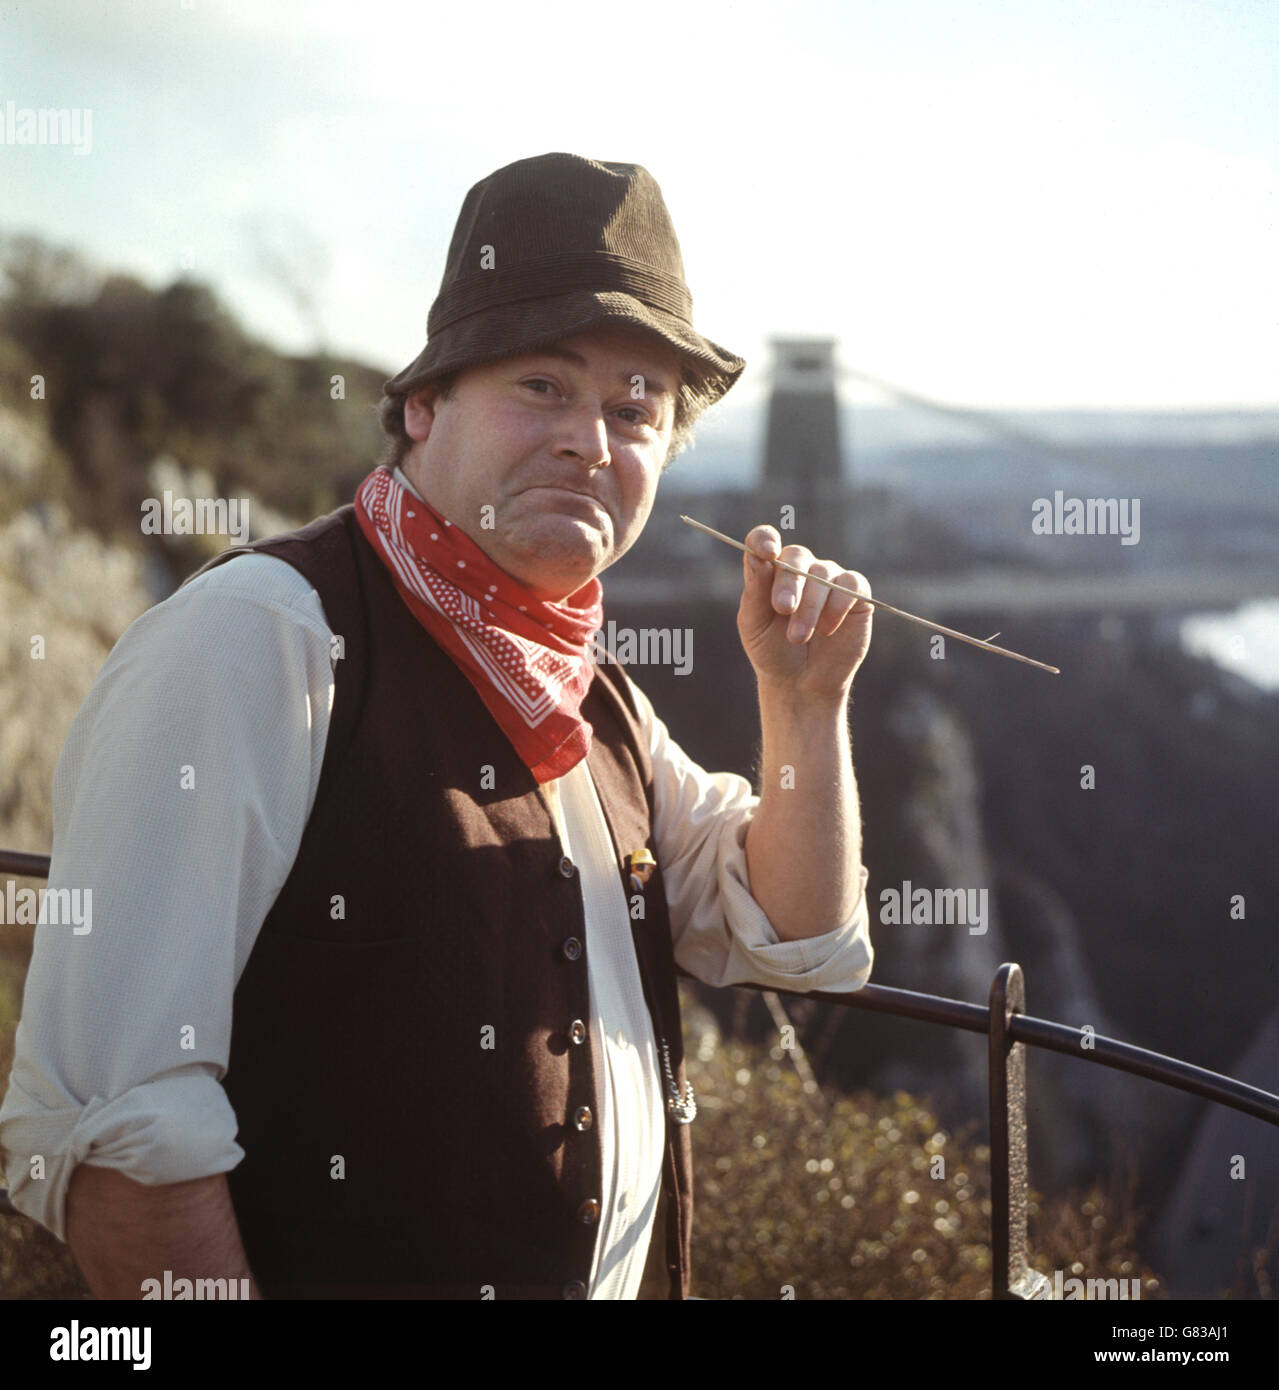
column 549, row 247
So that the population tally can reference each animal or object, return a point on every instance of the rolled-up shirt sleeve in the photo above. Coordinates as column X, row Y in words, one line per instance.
column 720, row 933
column 179, row 803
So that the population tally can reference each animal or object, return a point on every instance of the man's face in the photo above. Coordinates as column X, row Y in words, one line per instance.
column 562, row 444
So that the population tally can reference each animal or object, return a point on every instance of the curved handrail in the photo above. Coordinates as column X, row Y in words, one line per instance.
column 1054, row 1037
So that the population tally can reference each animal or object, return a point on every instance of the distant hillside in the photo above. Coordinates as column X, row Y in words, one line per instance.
column 125, row 377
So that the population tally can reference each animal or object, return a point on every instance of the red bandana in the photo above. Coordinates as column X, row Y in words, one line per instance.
column 529, row 659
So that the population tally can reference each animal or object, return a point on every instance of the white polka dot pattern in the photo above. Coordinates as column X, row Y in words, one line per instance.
column 536, row 662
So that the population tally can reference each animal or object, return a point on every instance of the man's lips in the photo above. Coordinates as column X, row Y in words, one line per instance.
column 569, row 492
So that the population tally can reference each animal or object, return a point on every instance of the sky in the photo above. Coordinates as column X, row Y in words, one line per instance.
column 1041, row 204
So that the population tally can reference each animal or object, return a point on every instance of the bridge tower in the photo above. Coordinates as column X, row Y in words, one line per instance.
column 803, row 466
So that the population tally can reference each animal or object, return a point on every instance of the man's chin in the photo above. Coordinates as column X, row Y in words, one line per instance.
column 562, row 553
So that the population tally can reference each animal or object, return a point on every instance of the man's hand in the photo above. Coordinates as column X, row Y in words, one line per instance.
column 803, row 639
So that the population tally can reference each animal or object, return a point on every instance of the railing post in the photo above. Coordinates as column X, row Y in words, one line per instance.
column 1009, row 1177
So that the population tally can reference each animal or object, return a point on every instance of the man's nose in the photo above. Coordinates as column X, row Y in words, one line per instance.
column 583, row 434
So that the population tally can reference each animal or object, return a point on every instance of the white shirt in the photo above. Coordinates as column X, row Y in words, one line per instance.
column 206, row 688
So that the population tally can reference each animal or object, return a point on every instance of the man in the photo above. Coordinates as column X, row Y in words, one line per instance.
column 393, row 880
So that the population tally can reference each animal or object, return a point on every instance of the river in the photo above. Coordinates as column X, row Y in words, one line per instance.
column 1245, row 641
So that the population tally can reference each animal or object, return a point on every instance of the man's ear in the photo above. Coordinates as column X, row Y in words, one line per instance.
column 419, row 412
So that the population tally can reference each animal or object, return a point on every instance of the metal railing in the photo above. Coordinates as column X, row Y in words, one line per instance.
column 1009, row 1029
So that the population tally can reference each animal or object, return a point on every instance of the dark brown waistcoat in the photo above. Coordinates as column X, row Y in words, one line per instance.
column 410, row 1094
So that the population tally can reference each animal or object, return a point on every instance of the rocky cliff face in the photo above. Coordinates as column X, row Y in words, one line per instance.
column 1219, row 1229
column 925, row 786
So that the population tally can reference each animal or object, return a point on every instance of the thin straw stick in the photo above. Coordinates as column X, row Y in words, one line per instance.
column 877, row 602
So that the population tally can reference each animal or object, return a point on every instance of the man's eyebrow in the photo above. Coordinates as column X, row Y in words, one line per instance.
column 652, row 385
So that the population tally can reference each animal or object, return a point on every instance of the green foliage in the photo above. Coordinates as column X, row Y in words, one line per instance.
column 35, row 1264
column 134, row 374
column 834, row 1197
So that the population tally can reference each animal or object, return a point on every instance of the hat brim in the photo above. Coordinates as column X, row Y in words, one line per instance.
column 508, row 330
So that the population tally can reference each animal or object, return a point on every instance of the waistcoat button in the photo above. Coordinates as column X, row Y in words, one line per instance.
column 589, row 1212
column 567, row 867
column 574, row 1289
column 572, row 948
column 577, row 1031
column 583, row 1119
